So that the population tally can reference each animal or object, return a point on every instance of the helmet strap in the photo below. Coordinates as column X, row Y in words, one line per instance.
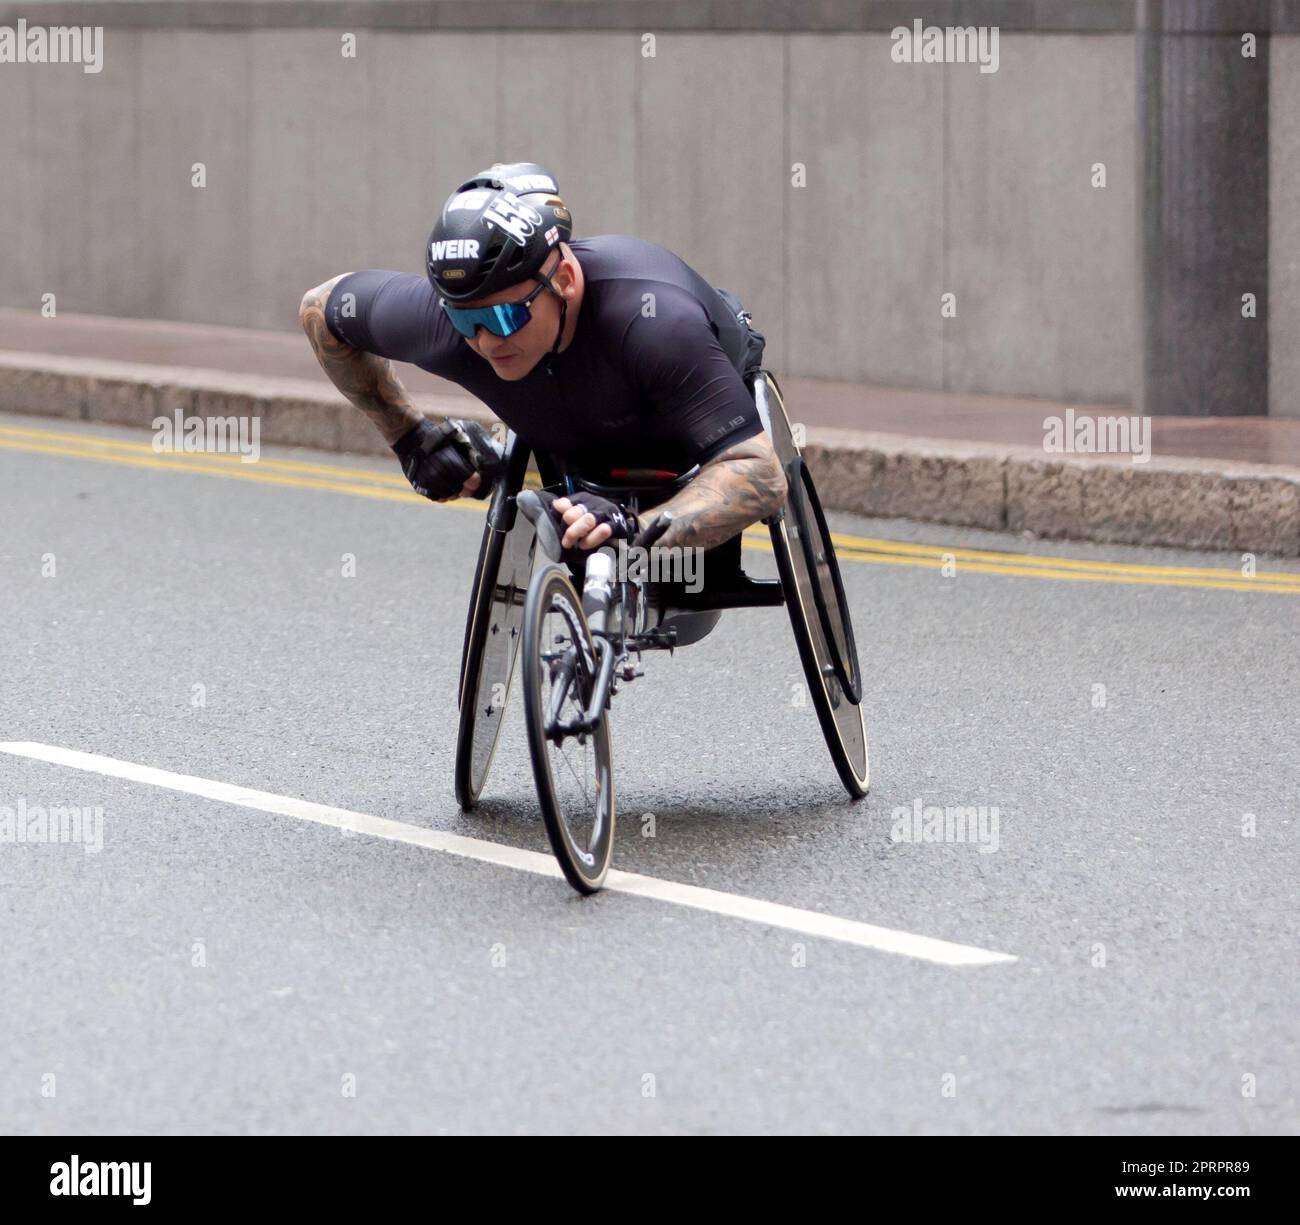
column 545, row 278
column 559, row 332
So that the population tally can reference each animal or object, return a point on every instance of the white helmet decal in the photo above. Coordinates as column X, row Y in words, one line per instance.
column 513, row 217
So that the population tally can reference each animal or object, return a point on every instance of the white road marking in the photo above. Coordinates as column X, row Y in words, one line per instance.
column 736, row 906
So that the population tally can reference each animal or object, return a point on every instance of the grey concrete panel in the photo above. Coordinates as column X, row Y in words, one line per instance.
column 865, row 237
column 1044, row 265
column 434, row 109
column 113, row 244
column 569, row 101
column 22, row 233
column 768, row 15
column 310, row 189
column 194, row 107
column 1284, row 227
column 75, row 231
column 318, row 164
column 710, row 167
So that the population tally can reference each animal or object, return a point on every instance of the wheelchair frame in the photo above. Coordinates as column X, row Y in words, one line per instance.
column 808, row 584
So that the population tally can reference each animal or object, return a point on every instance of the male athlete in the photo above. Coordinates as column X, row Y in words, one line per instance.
column 601, row 353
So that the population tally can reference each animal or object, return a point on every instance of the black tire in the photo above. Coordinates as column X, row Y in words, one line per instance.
column 493, row 629
column 828, row 588
column 575, row 776
column 838, row 711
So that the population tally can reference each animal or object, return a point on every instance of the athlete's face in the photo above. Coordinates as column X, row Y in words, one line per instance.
column 513, row 356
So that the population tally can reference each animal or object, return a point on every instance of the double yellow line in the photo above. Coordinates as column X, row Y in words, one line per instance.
column 292, row 473
column 1028, row 565
column 391, row 486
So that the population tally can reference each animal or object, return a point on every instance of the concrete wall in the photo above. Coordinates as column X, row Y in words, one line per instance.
column 1284, row 227
column 921, row 179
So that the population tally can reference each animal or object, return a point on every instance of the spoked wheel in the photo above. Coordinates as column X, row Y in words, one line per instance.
column 814, row 598
column 493, row 629
column 573, row 769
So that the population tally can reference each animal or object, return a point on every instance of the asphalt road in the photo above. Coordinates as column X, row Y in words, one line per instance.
column 218, row 969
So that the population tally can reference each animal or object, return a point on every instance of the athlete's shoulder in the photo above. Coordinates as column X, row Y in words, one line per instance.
column 613, row 257
column 403, row 291
column 627, row 277
column 393, row 314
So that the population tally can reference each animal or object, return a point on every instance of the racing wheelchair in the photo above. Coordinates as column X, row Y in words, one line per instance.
column 577, row 649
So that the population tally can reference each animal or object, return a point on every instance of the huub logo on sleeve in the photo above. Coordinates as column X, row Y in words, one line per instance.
column 26, row 44
column 77, row 1177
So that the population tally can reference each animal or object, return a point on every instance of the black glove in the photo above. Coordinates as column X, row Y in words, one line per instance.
column 439, row 459
column 486, row 455
column 538, row 508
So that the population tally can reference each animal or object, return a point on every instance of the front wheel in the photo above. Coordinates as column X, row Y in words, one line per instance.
column 573, row 768
column 492, row 629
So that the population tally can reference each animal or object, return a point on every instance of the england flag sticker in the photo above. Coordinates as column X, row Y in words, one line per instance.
column 552, row 235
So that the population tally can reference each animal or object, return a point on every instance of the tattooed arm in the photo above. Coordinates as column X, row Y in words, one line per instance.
column 742, row 485
column 369, row 381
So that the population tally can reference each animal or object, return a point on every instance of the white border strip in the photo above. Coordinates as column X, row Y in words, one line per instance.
column 736, row 906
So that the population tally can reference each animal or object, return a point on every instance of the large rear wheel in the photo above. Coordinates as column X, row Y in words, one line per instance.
column 815, row 600
column 827, row 586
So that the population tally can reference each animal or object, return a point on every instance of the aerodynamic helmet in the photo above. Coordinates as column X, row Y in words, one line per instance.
column 495, row 230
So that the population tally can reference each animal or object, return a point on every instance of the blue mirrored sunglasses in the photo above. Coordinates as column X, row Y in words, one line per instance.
column 503, row 319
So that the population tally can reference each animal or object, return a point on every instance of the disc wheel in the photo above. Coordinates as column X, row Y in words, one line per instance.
column 827, row 586
column 493, row 631
column 806, row 563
